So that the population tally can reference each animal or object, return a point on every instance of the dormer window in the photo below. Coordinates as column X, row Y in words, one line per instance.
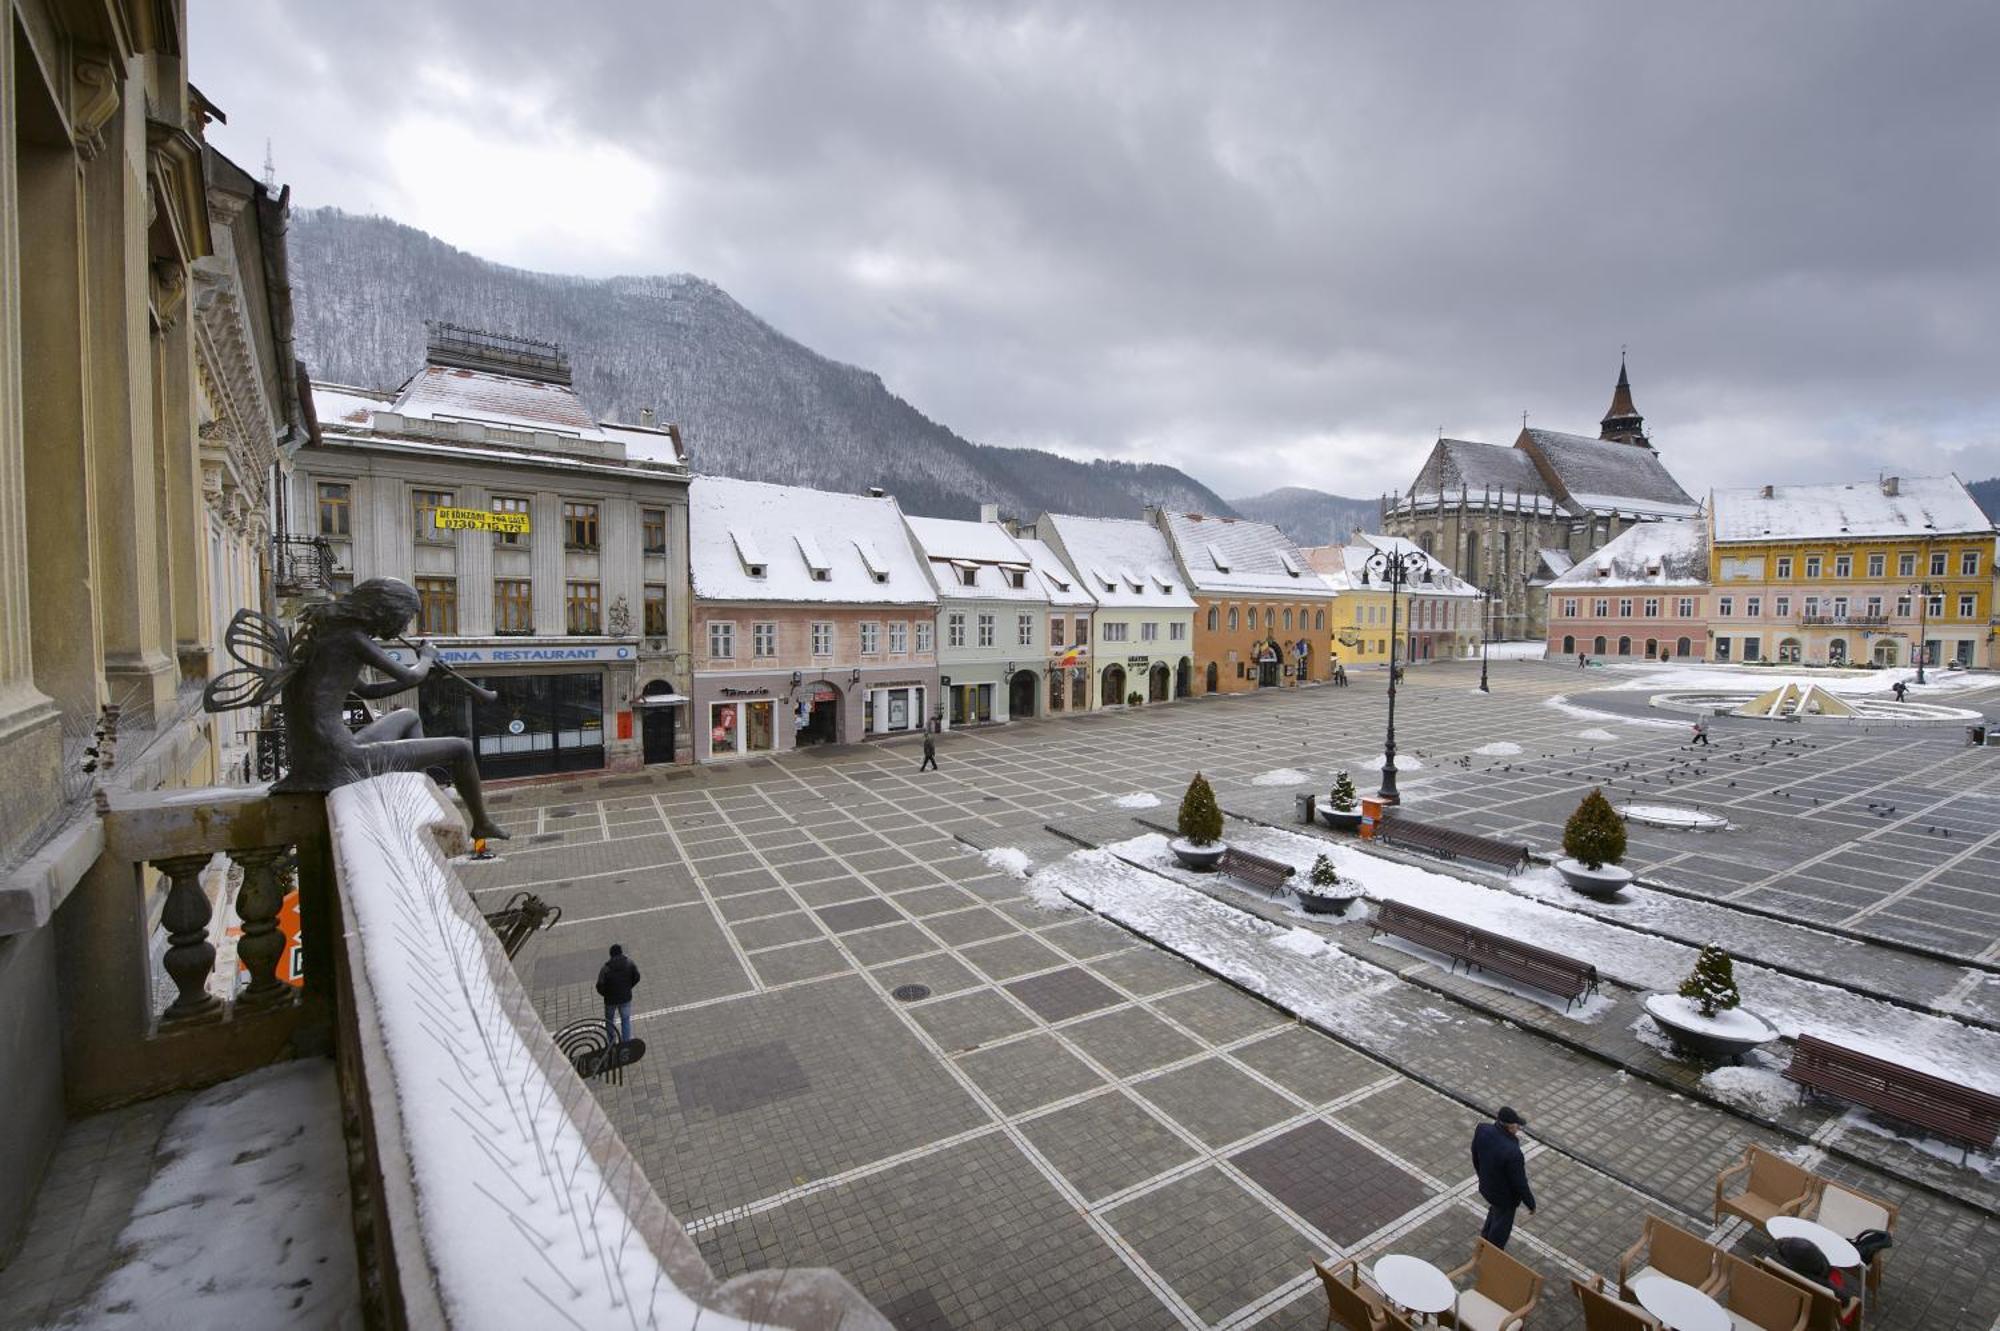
column 1017, row 578
column 816, row 562
column 968, row 575
column 1216, row 557
column 748, row 552
column 1291, row 566
column 871, row 559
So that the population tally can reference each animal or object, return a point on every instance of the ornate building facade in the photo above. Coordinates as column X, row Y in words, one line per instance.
column 1516, row 518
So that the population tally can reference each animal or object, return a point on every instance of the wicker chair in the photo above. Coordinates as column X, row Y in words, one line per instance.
column 1760, row 1299
column 1601, row 1312
column 1666, row 1249
column 1847, row 1212
column 1775, row 1187
column 1503, row 1291
column 1350, row 1304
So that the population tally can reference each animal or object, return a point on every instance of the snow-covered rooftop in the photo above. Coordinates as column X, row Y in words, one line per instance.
column 1606, row 477
column 1652, row 554
column 749, row 541
column 1344, row 568
column 439, row 393
column 1125, row 564
column 982, row 551
column 1899, row 506
column 339, row 405
column 645, row 442
column 1234, row 555
column 1061, row 584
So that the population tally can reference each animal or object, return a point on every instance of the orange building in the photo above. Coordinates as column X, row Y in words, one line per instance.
column 1260, row 617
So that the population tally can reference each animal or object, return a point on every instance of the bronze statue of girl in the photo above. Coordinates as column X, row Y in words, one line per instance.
column 315, row 670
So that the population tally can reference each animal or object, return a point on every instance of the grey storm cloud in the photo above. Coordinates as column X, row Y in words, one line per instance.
column 1271, row 244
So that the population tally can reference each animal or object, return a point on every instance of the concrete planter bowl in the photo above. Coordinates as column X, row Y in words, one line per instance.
column 1723, row 1038
column 1605, row 881
column 1340, row 820
column 1202, row 859
column 1315, row 902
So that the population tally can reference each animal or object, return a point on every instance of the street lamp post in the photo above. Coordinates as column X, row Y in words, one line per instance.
column 1924, row 612
column 1397, row 568
column 1485, row 634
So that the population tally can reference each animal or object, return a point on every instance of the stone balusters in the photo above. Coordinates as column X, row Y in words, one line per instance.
column 190, row 956
column 261, row 946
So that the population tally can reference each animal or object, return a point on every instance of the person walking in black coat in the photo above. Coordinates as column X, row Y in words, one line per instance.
column 1900, row 689
column 1503, row 1174
column 929, row 763
column 615, row 981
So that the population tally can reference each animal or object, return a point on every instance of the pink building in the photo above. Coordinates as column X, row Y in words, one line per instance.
column 1643, row 597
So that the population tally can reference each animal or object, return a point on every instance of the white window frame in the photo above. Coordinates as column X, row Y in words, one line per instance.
column 1149, row 631
column 986, row 630
column 1024, row 630
column 925, row 633
column 822, row 637
column 899, row 638
column 954, row 629
column 871, row 638
column 764, row 638
column 1177, row 631
column 1117, row 631
column 722, row 639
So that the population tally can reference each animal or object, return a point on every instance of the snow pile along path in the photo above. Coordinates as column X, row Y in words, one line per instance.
column 1936, row 1044
column 1499, row 748
column 1282, row 776
column 1138, row 799
column 1009, row 859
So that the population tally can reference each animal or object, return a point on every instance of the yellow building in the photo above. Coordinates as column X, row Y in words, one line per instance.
column 1852, row 573
column 1437, row 616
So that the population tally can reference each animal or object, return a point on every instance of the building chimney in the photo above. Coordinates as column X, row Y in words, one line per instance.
column 648, row 419
column 877, row 492
column 1768, row 492
column 1892, row 486
column 989, row 512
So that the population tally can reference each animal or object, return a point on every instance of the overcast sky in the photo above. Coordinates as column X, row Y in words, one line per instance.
column 1271, row 244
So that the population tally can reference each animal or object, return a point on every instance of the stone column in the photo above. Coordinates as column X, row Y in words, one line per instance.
column 546, row 560
column 475, row 570
column 30, row 737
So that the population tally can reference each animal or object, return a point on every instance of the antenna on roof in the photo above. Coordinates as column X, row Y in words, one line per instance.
column 270, row 168
column 1524, row 420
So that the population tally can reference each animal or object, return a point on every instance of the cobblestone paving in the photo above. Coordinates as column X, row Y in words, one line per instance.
column 1075, row 1128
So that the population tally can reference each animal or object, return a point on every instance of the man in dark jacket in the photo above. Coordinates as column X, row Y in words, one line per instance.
column 615, row 979
column 1503, row 1174
column 929, row 764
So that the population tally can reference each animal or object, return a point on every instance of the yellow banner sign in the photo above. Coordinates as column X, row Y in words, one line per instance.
column 478, row 519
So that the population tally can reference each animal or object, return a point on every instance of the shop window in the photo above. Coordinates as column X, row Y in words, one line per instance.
column 513, row 606
column 336, row 509
column 656, row 610
column 740, row 727
column 437, row 606
column 653, row 530
column 512, row 507
column 584, row 606
column 424, row 505
column 579, row 526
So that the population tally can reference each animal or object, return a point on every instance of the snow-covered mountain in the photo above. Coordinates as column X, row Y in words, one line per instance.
column 751, row 402
column 1311, row 517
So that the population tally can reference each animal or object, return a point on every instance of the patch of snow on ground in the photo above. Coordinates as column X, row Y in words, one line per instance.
column 1758, row 679
column 1760, row 1090
column 1047, row 897
column 1281, row 776
column 1602, row 736
column 1984, row 1163
column 1138, row 799
column 1010, row 859
column 248, row 1221
column 1535, row 650
column 1561, row 703
column 1302, row 941
column 1404, row 763
column 1499, row 748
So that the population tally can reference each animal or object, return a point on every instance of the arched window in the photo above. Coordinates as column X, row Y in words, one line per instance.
column 1836, row 652
column 1569, row 645
column 1598, row 646
column 1624, row 646
column 1232, row 619
column 1470, row 569
column 1288, row 619
column 1214, row 615
column 1788, row 651
column 1270, row 619
column 1683, row 647
column 1319, row 620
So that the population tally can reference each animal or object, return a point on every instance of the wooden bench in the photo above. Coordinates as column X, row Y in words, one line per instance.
column 1967, row 1116
column 1484, row 950
column 1256, row 870
column 1450, row 844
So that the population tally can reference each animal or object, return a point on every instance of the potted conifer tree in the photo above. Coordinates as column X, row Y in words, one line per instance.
column 1326, row 892
column 1706, row 1019
column 1594, row 842
column 1199, row 845
column 1339, row 809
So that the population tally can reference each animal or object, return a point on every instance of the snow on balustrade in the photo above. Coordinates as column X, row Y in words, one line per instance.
column 532, row 1213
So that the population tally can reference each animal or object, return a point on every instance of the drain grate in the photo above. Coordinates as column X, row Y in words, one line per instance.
column 910, row 993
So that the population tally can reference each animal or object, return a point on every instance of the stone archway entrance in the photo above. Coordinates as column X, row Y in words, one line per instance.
column 1021, row 691
column 659, row 717
column 1113, row 681
column 1184, row 679
column 1159, row 682
column 817, row 714
column 1214, row 677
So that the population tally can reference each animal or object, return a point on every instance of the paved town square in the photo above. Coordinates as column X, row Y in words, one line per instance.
column 873, row 1044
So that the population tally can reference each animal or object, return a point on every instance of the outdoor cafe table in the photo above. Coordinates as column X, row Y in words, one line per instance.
column 1838, row 1252
column 1413, row 1283
column 1680, row 1307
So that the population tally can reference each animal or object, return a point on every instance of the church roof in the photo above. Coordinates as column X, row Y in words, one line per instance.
column 1462, row 464
column 1601, row 477
column 1622, row 409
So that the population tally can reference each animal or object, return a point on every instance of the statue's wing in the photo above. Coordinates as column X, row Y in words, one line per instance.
column 263, row 651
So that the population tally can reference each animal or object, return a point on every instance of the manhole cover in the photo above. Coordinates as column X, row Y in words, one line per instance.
column 910, row 993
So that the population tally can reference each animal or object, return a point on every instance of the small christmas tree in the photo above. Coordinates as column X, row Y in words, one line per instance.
column 1343, row 795
column 1323, row 876
column 1201, row 817
column 1712, row 982
column 1595, row 834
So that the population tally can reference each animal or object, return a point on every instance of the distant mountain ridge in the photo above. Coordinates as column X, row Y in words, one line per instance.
column 1987, row 495
column 751, row 402
column 1310, row 517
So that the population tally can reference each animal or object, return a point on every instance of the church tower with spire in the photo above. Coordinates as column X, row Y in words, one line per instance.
column 1623, row 424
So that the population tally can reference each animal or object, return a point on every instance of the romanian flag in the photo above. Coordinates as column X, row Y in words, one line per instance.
column 1072, row 657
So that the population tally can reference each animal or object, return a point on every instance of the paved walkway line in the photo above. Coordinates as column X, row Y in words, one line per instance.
column 757, row 984
column 1915, row 883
